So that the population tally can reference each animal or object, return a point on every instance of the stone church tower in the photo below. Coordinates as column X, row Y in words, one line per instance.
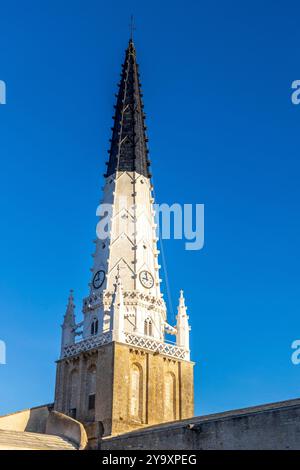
column 116, row 367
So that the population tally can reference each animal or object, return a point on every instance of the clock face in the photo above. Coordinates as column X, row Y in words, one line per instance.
column 146, row 279
column 98, row 279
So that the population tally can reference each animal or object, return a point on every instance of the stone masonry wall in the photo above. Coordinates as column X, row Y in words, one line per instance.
column 272, row 426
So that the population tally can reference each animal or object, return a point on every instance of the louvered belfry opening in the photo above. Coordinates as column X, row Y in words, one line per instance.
column 128, row 151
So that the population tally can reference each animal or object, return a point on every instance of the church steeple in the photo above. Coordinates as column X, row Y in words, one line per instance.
column 128, row 151
column 117, row 368
column 132, row 243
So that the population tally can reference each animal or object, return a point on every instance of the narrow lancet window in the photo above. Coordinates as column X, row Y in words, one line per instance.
column 136, row 392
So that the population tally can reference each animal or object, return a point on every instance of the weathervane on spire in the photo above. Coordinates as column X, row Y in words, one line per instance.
column 132, row 27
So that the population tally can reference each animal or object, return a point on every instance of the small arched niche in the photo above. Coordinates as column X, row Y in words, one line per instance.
column 94, row 327
column 170, row 397
column 91, row 391
column 136, row 392
column 73, row 393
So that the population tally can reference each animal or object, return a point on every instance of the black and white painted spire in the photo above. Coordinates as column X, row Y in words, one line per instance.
column 125, row 302
column 128, row 151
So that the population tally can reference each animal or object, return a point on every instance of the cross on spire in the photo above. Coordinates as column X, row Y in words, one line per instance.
column 132, row 27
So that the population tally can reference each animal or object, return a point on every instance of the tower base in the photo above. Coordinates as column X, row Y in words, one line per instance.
column 118, row 388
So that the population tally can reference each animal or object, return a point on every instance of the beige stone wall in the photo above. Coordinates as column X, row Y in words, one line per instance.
column 134, row 388
column 154, row 397
column 274, row 426
column 104, row 393
column 30, row 420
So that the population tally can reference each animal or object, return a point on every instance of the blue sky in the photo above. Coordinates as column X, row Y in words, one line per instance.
column 217, row 83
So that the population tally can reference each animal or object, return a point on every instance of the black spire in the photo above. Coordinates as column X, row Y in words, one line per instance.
column 128, row 151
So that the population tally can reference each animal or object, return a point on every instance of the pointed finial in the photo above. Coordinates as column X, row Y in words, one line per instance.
column 71, row 298
column 132, row 27
column 70, row 310
column 183, row 328
column 182, row 308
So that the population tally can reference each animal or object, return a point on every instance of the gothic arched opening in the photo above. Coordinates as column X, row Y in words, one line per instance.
column 170, row 397
column 94, row 327
column 136, row 392
column 73, row 393
column 148, row 330
column 91, row 391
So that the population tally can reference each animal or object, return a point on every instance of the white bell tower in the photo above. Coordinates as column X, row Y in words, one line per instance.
column 120, row 344
column 129, row 245
column 126, row 255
